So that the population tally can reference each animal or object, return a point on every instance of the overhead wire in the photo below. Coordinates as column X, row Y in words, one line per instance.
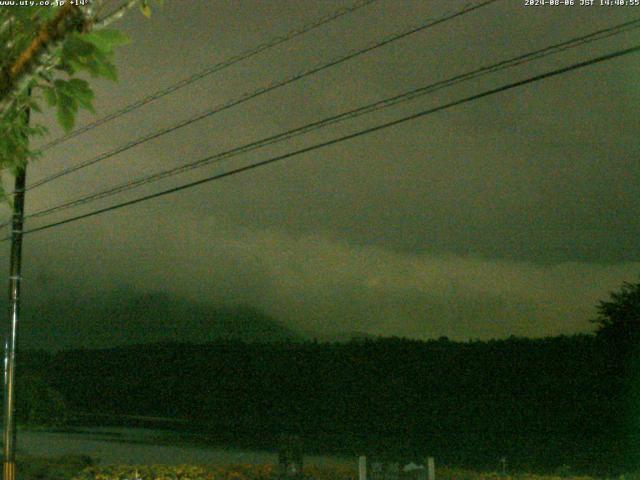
column 274, row 42
column 317, row 146
column 263, row 90
column 366, row 109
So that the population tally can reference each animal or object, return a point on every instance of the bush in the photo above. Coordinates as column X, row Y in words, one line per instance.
column 59, row 468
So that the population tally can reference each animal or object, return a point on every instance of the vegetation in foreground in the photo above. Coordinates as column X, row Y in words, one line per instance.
column 58, row 468
column 235, row 472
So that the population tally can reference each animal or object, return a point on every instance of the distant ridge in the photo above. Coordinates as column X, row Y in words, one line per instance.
column 342, row 337
column 126, row 317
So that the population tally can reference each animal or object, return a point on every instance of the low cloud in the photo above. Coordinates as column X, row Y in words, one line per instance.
column 319, row 284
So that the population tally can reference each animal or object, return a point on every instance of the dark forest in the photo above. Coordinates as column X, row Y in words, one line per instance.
column 554, row 404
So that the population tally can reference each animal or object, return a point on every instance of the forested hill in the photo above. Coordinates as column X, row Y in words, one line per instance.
column 541, row 403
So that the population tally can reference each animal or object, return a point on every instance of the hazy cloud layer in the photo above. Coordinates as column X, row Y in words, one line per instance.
column 322, row 285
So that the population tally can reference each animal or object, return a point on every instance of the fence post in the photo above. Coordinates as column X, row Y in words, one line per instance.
column 431, row 469
column 362, row 468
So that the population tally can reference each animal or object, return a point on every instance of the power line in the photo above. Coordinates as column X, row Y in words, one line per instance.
column 372, row 107
column 261, row 91
column 210, row 70
column 334, row 141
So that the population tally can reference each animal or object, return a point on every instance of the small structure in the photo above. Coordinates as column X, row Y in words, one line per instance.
column 414, row 471
column 377, row 469
column 290, row 457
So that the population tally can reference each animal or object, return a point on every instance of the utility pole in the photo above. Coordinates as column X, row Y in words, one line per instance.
column 15, row 271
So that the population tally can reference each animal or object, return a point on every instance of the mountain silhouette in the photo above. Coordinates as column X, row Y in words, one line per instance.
column 125, row 317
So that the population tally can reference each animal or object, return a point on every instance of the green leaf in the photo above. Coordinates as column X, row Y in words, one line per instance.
column 68, row 67
column 79, row 85
column 86, row 101
column 103, row 66
column 78, row 46
column 67, row 108
column 65, row 118
column 84, row 65
column 62, row 86
column 99, row 65
column 82, row 93
column 107, row 69
column 105, row 40
column 66, row 96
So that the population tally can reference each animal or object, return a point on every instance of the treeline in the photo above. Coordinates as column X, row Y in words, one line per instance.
column 545, row 404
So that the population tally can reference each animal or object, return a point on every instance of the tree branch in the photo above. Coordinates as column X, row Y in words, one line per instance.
column 68, row 18
column 116, row 14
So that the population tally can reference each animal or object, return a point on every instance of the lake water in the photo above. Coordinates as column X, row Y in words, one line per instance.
column 146, row 446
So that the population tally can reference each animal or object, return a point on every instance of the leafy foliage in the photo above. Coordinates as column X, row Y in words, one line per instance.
column 90, row 52
column 619, row 318
column 51, row 73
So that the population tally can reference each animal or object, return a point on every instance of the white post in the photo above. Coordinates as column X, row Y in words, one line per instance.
column 362, row 468
column 431, row 468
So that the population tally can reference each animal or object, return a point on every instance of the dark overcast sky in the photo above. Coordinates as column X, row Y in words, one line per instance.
column 513, row 214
